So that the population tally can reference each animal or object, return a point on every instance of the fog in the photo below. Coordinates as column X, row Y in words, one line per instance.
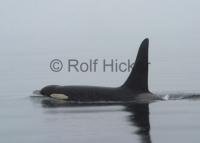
column 35, row 32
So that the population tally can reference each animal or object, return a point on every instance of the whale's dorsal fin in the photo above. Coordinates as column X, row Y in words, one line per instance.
column 138, row 78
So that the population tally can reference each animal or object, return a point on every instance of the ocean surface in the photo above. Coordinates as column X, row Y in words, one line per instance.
column 30, row 118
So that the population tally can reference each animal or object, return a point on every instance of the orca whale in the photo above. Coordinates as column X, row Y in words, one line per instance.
column 135, row 87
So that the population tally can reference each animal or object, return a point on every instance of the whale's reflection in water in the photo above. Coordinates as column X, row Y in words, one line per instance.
column 138, row 117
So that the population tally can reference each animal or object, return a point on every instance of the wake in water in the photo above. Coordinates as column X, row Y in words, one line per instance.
column 180, row 96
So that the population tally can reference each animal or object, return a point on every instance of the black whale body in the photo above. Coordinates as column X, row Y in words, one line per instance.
column 136, row 86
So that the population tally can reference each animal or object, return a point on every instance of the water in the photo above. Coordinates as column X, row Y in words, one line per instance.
column 30, row 119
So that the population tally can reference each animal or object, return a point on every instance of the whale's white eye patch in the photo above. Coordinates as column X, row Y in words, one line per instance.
column 59, row 96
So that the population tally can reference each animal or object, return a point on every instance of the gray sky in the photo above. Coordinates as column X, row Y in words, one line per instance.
column 34, row 32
